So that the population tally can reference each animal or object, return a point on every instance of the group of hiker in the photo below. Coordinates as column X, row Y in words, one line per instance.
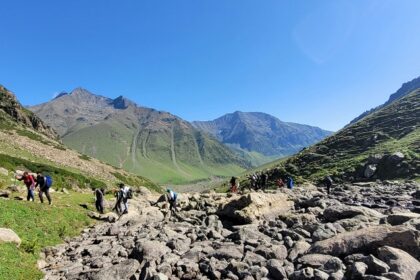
column 123, row 194
column 259, row 181
column 41, row 181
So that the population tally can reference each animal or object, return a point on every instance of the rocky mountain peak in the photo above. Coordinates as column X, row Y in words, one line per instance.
column 122, row 103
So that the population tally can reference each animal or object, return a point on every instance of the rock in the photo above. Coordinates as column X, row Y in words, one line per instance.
column 228, row 252
column 400, row 218
column 314, row 260
column 320, row 275
column 4, row 171
column 9, row 236
column 65, row 191
column 370, row 170
column 358, row 270
column 300, row 248
column 149, row 251
column 369, row 239
column 333, row 265
column 5, row 193
column 304, row 274
column 339, row 212
column 255, row 206
column 400, row 262
column 275, row 269
column 396, row 157
column 124, row 270
column 376, row 266
column 160, row 276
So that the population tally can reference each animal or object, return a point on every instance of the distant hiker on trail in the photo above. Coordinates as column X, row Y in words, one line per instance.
column 279, row 183
column 44, row 183
column 172, row 198
column 29, row 181
column 328, row 183
column 263, row 180
column 99, row 202
column 290, row 182
column 233, row 185
column 122, row 199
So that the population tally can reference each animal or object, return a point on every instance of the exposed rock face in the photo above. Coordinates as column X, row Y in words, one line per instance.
column 8, row 235
column 307, row 235
column 10, row 105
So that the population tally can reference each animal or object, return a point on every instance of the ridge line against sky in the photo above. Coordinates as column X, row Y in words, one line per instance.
column 319, row 63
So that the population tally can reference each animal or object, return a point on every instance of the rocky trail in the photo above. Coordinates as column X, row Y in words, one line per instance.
column 360, row 231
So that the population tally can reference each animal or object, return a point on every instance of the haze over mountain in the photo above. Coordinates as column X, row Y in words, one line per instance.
column 145, row 141
column 262, row 133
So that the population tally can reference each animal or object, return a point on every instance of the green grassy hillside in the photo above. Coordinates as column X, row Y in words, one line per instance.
column 154, row 144
column 394, row 128
column 173, row 155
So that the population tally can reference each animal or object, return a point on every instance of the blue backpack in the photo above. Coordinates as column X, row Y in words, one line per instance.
column 48, row 181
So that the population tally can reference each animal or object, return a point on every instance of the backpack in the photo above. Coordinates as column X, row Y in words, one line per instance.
column 129, row 194
column 48, row 181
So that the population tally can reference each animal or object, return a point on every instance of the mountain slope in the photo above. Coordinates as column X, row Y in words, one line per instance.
column 262, row 133
column 383, row 145
column 27, row 143
column 141, row 140
column 405, row 89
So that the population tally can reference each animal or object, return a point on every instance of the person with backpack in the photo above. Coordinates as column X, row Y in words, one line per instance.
column 123, row 195
column 290, row 182
column 328, row 183
column 99, row 200
column 172, row 198
column 29, row 182
column 44, row 183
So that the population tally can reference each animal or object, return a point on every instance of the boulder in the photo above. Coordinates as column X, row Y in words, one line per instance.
column 149, row 251
column 400, row 262
column 314, row 260
column 339, row 212
column 253, row 207
column 124, row 270
column 4, row 171
column 400, row 218
column 370, row 170
column 9, row 236
column 368, row 240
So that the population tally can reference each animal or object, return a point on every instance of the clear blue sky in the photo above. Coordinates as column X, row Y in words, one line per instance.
column 315, row 62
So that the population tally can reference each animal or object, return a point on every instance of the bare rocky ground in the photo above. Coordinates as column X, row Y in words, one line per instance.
column 362, row 231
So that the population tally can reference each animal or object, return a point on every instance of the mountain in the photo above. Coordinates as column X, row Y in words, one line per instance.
column 262, row 133
column 385, row 144
column 405, row 89
column 11, row 111
column 27, row 143
column 144, row 141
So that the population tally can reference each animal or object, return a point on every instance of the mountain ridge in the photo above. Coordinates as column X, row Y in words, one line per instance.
column 142, row 140
column 262, row 133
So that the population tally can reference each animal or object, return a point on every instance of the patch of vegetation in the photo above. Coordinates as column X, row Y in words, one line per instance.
column 33, row 136
column 62, row 178
column 38, row 225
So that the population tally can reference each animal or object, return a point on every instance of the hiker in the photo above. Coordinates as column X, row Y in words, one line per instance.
column 279, row 183
column 122, row 199
column 172, row 198
column 29, row 181
column 99, row 202
column 263, row 180
column 233, row 186
column 289, row 182
column 44, row 184
column 328, row 183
